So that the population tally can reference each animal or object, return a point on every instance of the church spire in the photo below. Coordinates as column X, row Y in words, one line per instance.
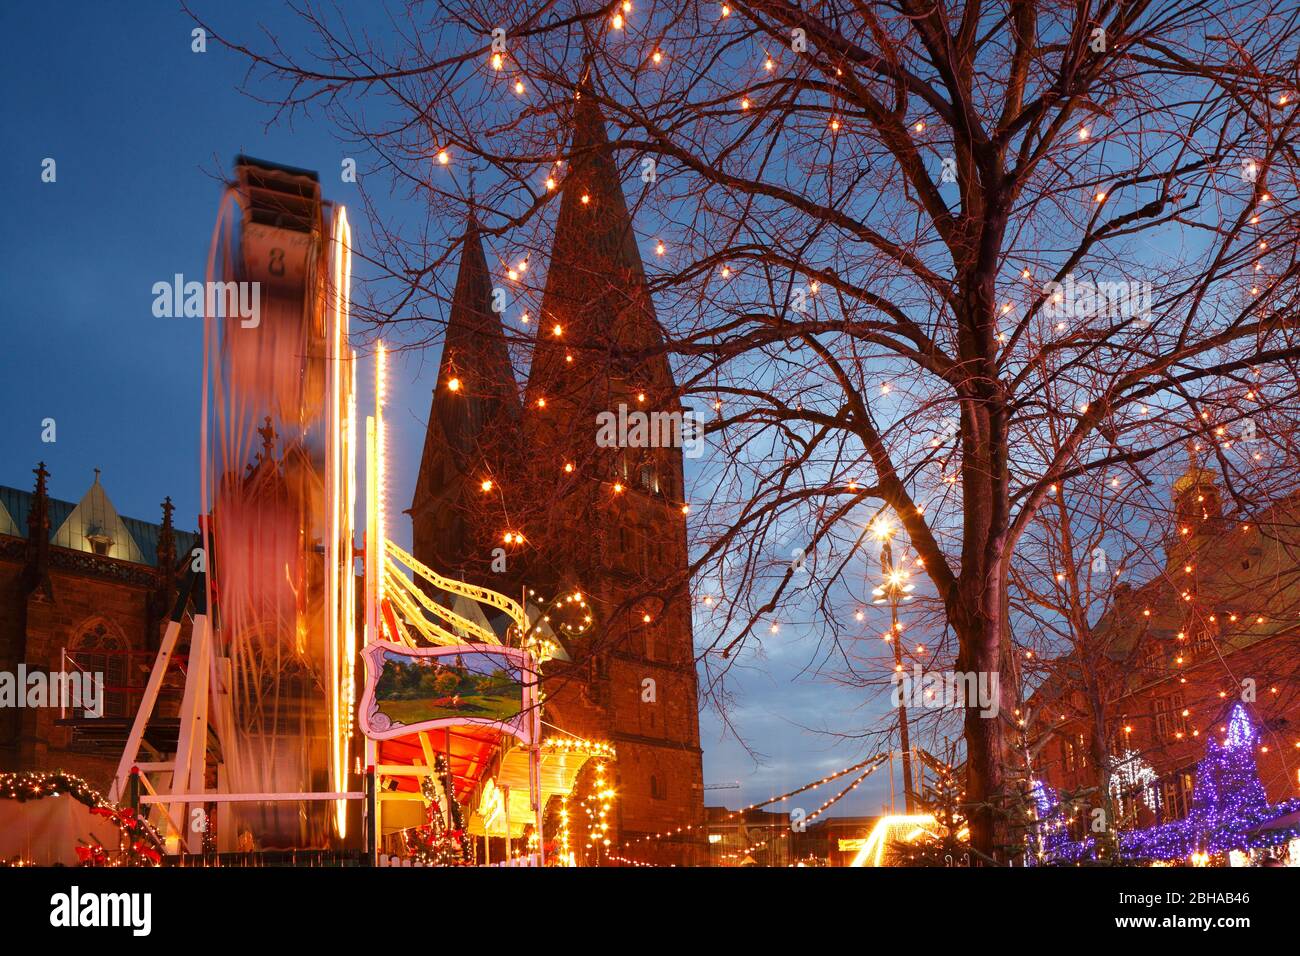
column 597, row 320
column 475, row 396
column 473, row 429
column 37, row 571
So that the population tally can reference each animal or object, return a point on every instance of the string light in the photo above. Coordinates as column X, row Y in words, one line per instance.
column 871, row 763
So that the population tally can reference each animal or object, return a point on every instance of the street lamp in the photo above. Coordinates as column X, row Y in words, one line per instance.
column 894, row 590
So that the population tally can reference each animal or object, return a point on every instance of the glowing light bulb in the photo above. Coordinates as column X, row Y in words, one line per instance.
column 444, row 157
column 453, row 385
column 486, row 484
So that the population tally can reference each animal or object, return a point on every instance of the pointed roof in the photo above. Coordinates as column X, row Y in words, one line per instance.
column 7, row 524
column 18, row 503
column 95, row 520
column 476, row 395
column 596, row 288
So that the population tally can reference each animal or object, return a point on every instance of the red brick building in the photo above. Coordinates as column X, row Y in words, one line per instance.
column 1221, row 624
column 607, row 521
column 82, row 588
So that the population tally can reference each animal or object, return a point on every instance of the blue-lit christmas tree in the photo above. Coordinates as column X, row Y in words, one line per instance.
column 1229, row 807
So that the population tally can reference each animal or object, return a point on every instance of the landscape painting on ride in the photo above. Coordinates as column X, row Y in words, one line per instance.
column 413, row 689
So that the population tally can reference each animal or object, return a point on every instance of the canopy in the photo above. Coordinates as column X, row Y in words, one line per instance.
column 562, row 759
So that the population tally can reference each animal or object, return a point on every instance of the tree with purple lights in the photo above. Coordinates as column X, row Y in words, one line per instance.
column 1229, row 808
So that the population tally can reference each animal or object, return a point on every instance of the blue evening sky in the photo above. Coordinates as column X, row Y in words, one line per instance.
column 142, row 129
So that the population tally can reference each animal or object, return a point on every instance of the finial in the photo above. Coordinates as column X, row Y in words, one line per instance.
column 268, row 438
column 41, row 474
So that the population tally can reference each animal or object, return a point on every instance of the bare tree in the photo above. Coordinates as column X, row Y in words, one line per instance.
column 890, row 244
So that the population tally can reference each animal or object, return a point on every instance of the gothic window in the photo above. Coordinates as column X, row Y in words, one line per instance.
column 658, row 788
column 648, row 477
column 97, row 650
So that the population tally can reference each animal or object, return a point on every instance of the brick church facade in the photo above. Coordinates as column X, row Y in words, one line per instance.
column 82, row 588
column 1173, row 655
column 606, row 522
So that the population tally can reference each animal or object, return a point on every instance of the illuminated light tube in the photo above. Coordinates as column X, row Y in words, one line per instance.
column 873, row 850
column 341, row 587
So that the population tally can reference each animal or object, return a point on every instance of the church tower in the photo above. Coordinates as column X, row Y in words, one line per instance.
column 602, row 509
column 473, row 437
column 600, row 354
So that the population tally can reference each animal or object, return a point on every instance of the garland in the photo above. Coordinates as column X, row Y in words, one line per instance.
column 436, row 843
column 139, row 843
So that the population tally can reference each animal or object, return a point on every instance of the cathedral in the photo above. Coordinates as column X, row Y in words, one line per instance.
column 84, row 589
column 517, row 493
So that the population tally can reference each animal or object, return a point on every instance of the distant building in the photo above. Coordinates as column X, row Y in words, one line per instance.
column 82, row 589
column 604, row 520
column 765, row 837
